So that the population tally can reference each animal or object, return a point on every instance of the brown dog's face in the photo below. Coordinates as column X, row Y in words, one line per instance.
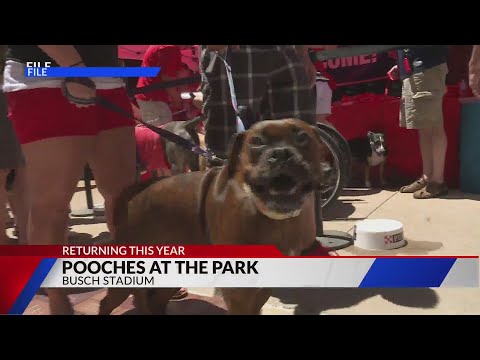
column 281, row 161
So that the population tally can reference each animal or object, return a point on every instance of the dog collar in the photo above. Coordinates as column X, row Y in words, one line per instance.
column 274, row 215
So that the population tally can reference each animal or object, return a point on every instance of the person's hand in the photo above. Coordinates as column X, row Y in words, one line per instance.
column 81, row 91
column 394, row 73
column 198, row 100
column 474, row 81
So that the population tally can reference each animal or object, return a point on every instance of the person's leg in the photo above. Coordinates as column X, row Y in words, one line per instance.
column 114, row 166
column 18, row 200
column 54, row 168
column 113, row 160
column 408, row 116
column 425, row 138
column 425, row 113
column 439, row 151
column 4, row 240
column 56, row 141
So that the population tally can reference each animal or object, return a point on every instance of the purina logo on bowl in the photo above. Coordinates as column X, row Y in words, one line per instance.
column 392, row 239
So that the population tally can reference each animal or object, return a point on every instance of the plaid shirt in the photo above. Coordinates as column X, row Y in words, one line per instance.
column 269, row 80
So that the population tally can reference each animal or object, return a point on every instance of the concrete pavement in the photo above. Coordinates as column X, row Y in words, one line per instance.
column 432, row 227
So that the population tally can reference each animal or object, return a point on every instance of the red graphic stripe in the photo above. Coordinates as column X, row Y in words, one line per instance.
column 15, row 272
column 157, row 251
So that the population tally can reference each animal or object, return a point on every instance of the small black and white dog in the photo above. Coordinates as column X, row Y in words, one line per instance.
column 371, row 152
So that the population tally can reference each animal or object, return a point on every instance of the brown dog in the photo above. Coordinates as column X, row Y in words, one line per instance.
column 263, row 196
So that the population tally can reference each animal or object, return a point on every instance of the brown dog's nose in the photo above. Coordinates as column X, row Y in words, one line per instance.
column 280, row 155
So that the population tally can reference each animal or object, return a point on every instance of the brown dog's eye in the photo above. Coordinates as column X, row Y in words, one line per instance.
column 302, row 138
column 257, row 141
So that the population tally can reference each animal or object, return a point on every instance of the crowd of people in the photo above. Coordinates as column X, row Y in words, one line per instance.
column 48, row 137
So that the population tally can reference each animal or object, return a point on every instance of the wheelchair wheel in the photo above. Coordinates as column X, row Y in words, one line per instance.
column 336, row 158
column 344, row 147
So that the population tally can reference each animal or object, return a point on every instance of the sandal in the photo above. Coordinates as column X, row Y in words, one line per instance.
column 432, row 190
column 181, row 294
column 415, row 186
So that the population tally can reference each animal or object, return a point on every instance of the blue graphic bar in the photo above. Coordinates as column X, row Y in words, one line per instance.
column 32, row 286
column 407, row 273
column 91, row 72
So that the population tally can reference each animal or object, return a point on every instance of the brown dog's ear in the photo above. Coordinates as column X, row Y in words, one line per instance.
column 234, row 150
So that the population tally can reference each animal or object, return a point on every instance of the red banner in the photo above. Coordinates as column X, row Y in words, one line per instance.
column 360, row 68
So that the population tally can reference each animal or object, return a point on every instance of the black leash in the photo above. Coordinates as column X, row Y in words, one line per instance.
column 167, row 135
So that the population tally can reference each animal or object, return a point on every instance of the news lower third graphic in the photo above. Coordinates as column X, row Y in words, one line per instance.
column 25, row 269
column 37, row 69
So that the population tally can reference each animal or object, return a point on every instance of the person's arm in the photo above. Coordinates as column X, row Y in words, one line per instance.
column 474, row 70
column 63, row 55
column 475, row 58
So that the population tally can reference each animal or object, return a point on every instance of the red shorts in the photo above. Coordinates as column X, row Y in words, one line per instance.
column 150, row 149
column 45, row 113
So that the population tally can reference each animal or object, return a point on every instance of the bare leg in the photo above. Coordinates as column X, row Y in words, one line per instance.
column 439, row 150
column 426, row 146
column 4, row 240
column 18, row 200
column 114, row 166
column 54, row 167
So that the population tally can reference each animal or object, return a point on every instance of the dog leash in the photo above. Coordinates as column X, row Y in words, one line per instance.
column 168, row 135
column 238, row 109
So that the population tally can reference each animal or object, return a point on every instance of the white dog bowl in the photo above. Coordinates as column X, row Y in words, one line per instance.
column 379, row 234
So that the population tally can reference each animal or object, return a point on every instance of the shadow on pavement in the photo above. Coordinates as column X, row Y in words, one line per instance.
column 193, row 305
column 77, row 238
column 317, row 300
column 86, row 221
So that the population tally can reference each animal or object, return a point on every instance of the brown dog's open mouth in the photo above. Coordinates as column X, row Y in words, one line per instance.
column 281, row 185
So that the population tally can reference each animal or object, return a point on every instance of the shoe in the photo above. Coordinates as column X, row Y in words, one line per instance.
column 415, row 186
column 431, row 191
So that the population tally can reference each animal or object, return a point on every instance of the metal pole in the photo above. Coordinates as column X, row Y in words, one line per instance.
column 87, row 178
